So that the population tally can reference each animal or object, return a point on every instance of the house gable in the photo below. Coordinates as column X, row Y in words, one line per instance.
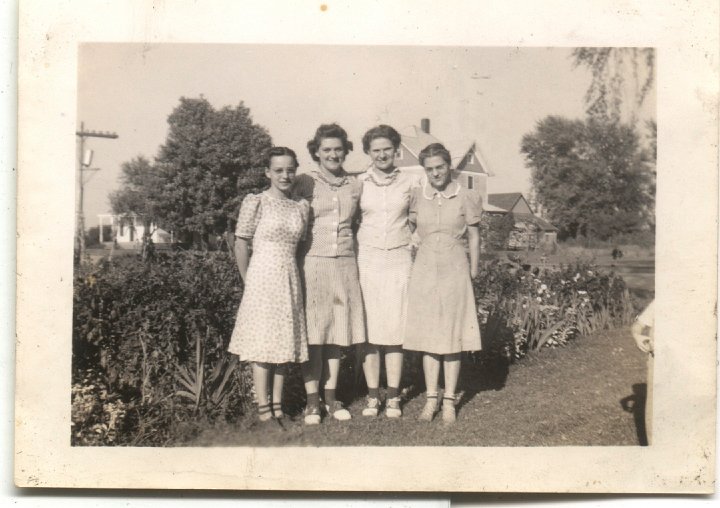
column 472, row 161
column 521, row 206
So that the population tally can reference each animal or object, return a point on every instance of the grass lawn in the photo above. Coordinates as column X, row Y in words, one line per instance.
column 575, row 395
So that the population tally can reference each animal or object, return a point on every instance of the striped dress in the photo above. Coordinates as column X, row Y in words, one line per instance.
column 333, row 301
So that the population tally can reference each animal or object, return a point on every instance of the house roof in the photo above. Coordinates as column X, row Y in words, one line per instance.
column 537, row 221
column 458, row 149
column 419, row 141
column 506, row 200
column 492, row 208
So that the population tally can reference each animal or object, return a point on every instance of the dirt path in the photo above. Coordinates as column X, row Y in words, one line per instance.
column 560, row 397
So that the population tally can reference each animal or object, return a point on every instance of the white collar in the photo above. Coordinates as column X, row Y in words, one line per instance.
column 429, row 192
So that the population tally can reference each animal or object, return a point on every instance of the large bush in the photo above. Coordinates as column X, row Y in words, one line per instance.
column 149, row 347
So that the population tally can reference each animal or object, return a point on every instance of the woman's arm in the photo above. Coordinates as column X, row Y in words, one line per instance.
column 242, row 256
column 474, row 246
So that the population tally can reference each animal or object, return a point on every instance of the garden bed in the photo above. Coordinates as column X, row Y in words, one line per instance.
column 150, row 366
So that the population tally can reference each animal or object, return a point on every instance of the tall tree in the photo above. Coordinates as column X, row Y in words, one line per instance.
column 209, row 160
column 140, row 180
column 621, row 80
column 589, row 176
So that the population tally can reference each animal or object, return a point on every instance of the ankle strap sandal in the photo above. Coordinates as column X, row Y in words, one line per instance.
column 431, row 407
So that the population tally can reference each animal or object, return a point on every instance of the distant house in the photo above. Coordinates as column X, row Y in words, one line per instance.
column 470, row 169
column 530, row 231
column 129, row 230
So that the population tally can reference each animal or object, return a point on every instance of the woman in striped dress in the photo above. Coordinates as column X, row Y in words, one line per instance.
column 333, row 302
column 384, row 261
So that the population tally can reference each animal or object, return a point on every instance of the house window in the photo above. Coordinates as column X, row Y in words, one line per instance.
column 470, row 158
column 122, row 228
column 399, row 153
column 470, row 182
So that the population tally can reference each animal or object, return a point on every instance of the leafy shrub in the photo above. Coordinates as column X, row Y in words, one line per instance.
column 526, row 309
column 495, row 230
column 156, row 334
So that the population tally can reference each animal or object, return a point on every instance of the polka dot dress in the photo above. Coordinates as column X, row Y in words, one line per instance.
column 270, row 325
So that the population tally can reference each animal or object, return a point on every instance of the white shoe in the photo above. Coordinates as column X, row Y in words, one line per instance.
column 392, row 408
column 448, row 410
column 312, row 416
column 338, row 411
column 372, row 408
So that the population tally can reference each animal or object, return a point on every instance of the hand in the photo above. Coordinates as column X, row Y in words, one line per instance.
column 473, row 271
column 642, row 338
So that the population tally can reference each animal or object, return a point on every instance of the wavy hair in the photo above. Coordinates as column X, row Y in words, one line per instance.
column 279, row 151
column 381, row 131
column 325, row 131
column 432, row 150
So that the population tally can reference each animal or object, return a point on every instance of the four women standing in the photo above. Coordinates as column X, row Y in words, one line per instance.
column 325, row 206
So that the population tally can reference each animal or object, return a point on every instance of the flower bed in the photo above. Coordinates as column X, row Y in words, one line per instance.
column 524, row 310
column 149, row 340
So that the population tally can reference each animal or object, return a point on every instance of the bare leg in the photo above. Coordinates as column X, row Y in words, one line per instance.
column 431, row 369
column 393, row 365
column 371, row 365
column 451, row 366
column 332, row 369
column 277, row 389
column 371, row 368
column 261, row 374
column 312, row 369
column 331, row 366
column 393, row 369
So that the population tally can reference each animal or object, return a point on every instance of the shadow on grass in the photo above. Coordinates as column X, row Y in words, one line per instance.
column 480, row 371
column 636, row 404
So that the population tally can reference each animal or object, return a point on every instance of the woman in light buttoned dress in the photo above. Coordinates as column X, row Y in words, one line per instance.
column 384, row 261
column 442, row 319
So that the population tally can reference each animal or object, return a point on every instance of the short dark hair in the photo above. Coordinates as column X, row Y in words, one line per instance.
column 433, row 150
column 279, row 151
column 326, row 131
column 381, row 131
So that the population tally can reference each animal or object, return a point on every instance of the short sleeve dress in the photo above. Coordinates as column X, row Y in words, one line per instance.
column 441, row 315
column 270, row 324
column 333, row 301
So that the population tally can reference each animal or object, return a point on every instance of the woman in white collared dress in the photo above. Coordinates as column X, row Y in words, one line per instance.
column 442, row 320
column 384, row 261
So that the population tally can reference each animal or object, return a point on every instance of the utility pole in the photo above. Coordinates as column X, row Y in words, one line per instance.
column 84, row 166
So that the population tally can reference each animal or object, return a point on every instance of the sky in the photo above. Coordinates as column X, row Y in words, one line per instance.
column 492, row 96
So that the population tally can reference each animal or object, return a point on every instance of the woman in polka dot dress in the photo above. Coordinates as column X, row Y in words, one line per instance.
column 270, row 327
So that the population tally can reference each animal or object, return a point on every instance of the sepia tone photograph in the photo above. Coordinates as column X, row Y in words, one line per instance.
column 363, row 246
column 279, row 246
